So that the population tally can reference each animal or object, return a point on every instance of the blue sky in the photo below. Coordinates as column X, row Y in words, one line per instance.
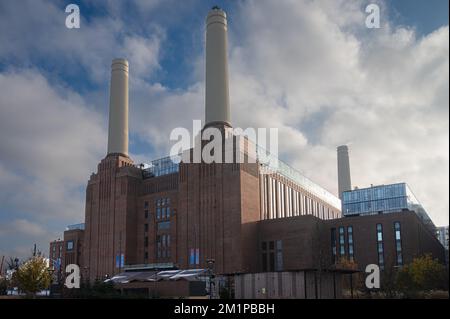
column 310, row 68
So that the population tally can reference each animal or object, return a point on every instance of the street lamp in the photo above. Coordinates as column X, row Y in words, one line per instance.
column 50, row 272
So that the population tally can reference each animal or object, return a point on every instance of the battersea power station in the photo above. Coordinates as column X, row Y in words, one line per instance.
column 255, row 228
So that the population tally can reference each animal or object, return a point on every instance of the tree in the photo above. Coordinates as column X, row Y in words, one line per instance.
column 33, row 276
column 3, row 286
column 389, row 285
column 422, row 274
column 12, row 263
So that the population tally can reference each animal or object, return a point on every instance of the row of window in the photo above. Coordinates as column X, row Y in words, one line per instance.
column 163, row 246
column 375, row 205
column 54, row 248
column 194, row 256
column 69, row 247
column 163, row 201
column 398, row 243
column 163, row 225
column 162, row 212
column 380, row 246
column 163, row 209
column 347, row 249
column 375, row 193
column 159, row 202
column 272, row 256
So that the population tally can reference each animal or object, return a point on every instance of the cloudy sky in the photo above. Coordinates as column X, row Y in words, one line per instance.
column 310, row 68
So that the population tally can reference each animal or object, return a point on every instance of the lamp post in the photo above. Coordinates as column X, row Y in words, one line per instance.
column 210, row 263
column 50, row 272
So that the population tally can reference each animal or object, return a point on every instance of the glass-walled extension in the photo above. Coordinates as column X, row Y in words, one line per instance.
column 161, row 166
column 75, row 226
column 382, row 199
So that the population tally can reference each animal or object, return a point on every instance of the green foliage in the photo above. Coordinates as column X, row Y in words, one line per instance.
column 33, row 276
column 424, row 277
column 423, row 274
column 389, row 284
column 3, row 286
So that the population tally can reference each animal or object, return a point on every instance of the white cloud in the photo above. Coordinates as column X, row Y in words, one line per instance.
column 22, row 227
column 36, row 33
column 311, row 69
column 328, row 81
column 50, row 143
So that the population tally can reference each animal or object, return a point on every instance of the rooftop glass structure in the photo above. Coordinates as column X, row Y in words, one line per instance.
column 75, row 226
column 161, row 166
column 271, row 163
column 275, row 165
column 382, row 199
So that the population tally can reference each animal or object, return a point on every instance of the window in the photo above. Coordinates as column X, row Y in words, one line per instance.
column 341, row 241
column 145, row 227
column 192, row 256
column 379, row 236
column 264, row 262
column 398, row 244
column 380, row 248
column 69, row 245
column 145, row 241
column 146, row 214
column 264, row 255
column 333, row 245
column 163, row 225
column 158, row 213
column 272, row 261
column 272, row 256
column 197, row 256
column 279, row 256
column 145, row 204
column 146, row 256
column 350, row 243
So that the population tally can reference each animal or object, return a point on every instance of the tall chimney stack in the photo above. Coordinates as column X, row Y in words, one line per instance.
column 217, row 100
column 344, row 181
column 118, row 108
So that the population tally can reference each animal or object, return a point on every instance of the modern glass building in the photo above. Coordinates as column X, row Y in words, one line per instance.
column 442, row 235
column 75, row 226
column 382, row 199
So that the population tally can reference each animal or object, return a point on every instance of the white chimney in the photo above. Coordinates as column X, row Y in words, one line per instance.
column 217, row 101
column 344, row 181
column 118, row 108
